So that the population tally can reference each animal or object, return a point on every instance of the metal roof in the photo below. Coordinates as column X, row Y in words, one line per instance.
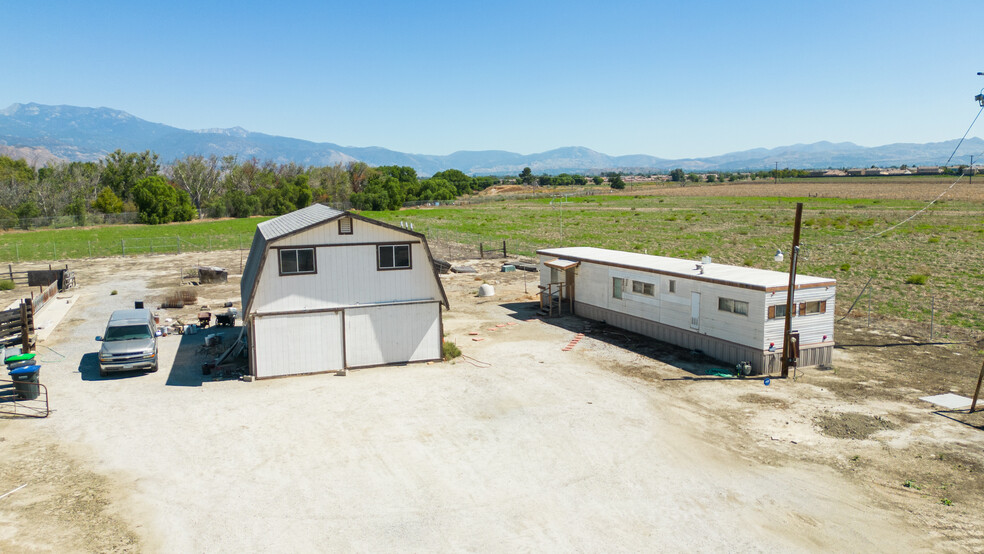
column 747, row 277
column 296, row 221
column 275, row 228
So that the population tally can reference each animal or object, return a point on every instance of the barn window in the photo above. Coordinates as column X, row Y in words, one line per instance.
column 393, row 256
column 345, row 226
column 294, row 261
column 640, row 287
column 734, row 306
column 672, row 285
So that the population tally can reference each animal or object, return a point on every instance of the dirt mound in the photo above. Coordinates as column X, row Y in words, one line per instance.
column 503, row 189
column 852, row 425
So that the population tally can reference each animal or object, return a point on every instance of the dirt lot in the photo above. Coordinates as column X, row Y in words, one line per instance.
column 618, row 444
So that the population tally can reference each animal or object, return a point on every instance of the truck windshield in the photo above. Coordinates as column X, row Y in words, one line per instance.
column 128, row 332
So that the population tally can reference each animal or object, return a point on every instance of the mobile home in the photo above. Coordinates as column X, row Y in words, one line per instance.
column 730, row 313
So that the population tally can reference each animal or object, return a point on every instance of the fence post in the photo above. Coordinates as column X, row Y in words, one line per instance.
column 25, row 328
column 503, row 249
column 10, row 269
column 481, row 250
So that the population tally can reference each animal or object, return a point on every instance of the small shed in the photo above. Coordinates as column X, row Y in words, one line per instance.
column 731, row 313
column 325, row 290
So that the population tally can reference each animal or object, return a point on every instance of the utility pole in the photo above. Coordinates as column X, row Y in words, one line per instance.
column 787, row 347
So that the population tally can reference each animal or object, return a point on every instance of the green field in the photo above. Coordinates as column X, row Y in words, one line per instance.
column 847, row 239
column 116, row 240
column 851, row 240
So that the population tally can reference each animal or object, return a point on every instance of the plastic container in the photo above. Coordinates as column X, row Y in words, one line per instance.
column 19, row 358
column 17, row 365
column 26, row 381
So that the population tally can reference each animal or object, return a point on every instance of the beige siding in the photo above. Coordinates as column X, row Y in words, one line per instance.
column 298, row 343
column 392, row 334
column 346, row 275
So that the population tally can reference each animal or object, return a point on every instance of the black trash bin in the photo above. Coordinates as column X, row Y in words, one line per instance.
column 26, row 381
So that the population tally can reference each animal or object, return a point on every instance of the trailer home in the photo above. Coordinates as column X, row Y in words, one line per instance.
column 734, row 314
column 324, row 290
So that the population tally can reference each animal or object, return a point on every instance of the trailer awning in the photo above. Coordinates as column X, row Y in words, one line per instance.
column 561, row 264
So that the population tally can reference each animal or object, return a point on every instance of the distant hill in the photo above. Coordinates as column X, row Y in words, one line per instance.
column 40, row 133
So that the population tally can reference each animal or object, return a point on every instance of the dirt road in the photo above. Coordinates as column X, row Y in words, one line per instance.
column 522, row 446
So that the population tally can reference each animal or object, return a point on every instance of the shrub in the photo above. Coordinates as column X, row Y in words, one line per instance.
column 451, row 350
column 7, row 284
column 917, row 279
column 845, row 267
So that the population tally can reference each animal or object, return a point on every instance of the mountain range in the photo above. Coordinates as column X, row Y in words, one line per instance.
column 43, row 133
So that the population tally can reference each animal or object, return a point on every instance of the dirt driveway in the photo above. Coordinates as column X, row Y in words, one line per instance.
column 521, row 446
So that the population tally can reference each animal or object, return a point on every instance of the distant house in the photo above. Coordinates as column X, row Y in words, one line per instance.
column 929, row 170
column 730, row 313
column 855, row 172
column 324, row 290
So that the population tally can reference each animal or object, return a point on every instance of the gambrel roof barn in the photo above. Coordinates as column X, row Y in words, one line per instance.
column 324, row 290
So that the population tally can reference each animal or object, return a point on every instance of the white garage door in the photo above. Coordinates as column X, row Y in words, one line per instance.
column 392, row 334
column 298, row 343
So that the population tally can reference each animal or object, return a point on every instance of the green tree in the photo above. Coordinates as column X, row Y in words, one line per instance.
column 526, row 176
column 598, row 180
column 462, row 183
column 159, row 202
column 26, row 211
column 77, row 209
column 122, row 170
column 677, row 175
column 616, row 182
column 107, row 202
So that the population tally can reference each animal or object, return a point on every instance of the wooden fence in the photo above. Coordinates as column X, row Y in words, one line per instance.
column 17, row 326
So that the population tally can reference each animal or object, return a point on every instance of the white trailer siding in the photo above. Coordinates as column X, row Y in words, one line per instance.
column 811, row 327
column 390, row 334
column 294, row 344
column 685, row 307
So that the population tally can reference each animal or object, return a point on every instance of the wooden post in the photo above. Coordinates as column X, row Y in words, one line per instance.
column 977, row 391
column 787, row 351
column 503, row 249
column 10, row 269
column 481, row 250
column 25, row 328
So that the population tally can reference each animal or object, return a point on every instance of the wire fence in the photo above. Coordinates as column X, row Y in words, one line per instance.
column 137, row 246
column 67, row 221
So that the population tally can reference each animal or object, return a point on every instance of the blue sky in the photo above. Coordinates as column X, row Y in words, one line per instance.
column 669, row 79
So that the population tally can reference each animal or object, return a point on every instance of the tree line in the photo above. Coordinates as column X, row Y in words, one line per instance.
column 209, row 186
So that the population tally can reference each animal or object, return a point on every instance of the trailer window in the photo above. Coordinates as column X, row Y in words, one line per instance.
column 734, row 306
column 812, row 308
column 672, row 285
column 294, row 261
column 777, row 312
column 617, row 283
column 640, row 287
